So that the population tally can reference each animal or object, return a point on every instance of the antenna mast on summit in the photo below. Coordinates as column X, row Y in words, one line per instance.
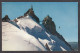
column 32, row 7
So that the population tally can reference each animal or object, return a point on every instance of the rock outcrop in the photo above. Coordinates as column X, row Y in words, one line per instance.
column 20, row 17
column 6, row 19
column 32, row 14
column 49, row 25
column 51, row 28
column 47, row 47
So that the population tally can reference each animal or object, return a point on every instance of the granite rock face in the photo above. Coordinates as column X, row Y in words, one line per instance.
column 32, row 14
column 6, row 19
column 49, row 25
column 51, row 28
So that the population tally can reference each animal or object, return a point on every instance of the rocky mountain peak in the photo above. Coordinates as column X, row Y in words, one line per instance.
column 51, row 27
column 32, row 14
column 48, row 17
column 6, row 19
column 49, row 24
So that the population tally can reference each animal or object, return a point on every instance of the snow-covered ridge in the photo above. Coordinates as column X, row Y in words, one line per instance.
column 14, row 39
column 29, row 36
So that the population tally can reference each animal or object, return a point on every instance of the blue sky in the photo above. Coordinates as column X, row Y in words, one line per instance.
column 64, row 14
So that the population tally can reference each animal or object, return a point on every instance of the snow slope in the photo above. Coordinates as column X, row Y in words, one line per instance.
column 14, row 39
column 28, row 35
column 30, row 26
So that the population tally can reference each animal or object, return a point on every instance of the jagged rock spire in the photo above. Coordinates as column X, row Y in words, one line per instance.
column 32, row 14
column 31, row 7
column 49, row 24
column 6, row 19
column 48, row 17
column 51, row 27
column 47, row 47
